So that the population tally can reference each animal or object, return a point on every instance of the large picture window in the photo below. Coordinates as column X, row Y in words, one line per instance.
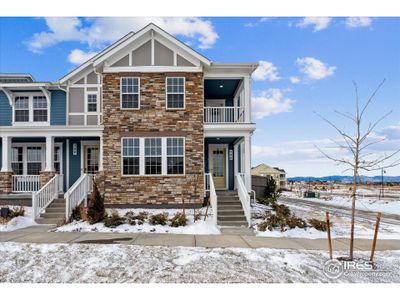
column 175, row 92
column 130, row 156
column 153, row 156
column 175, row 156
column 130, row 93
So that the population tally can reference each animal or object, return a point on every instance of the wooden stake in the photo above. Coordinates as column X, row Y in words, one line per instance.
column 328, row 230
column 378, row 220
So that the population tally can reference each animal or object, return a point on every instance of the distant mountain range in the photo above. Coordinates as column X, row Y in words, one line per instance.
column 347, row 178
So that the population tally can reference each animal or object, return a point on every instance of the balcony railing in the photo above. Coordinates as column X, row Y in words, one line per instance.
column 224, row 114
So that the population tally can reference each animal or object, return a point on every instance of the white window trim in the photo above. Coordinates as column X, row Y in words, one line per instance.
column 120, row 93
column 163, row 158
column 87, row 102
column 30, row 108
column 124, row 156
column 166, row 93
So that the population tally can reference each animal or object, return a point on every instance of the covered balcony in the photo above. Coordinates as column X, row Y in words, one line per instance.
column 226, row 101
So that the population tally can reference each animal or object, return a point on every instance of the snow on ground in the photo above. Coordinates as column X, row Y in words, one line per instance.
column 89, row 263
column 365, row 204
column 340, row 225
column 198, row 227
column 19, row 222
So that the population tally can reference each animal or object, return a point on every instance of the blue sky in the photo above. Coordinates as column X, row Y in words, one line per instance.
column 307, row 64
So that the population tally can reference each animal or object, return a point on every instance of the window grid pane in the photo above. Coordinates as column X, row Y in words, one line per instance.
column 130, row 92
column 130, row 154
column 39, row 102
column 175, row 92
column 92, row 102
column 175, row 156
column 152, row 153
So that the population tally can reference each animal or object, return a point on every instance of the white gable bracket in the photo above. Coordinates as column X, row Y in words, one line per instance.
column 9, row 95
column 47, row 94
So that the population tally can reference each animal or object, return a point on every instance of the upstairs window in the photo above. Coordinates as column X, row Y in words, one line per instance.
column 130, row 93
column 22, row 109
column 92, row 102
column 39, row 109
column 175, row 92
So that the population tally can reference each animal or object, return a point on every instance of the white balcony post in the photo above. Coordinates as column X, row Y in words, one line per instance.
column 247, row 99
column 247, row 162
column 6, row 154
column 236, row 162
column 49, row 154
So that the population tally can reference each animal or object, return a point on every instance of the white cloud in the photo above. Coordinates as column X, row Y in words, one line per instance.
column 294, row 79
column 98, row 32
column 355, row 22
column 258, row 22
column 266, row 71
column 78, row 57
column 270, row 102
column 319, row 23
column 315, row 69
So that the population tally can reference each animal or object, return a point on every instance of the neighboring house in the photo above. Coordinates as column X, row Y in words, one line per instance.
column 148, row 115
column 279, row 175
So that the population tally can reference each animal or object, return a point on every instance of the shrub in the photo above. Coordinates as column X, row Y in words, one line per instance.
column 114, row 219
column 17, row 212
column 158, row 219
column 293, row 222
column 317, row 224
column 271, row 193
column 95, row 211
column 76, row 214
column 179, row 219
column 281, row 210
column 197, row 216
column 138, row 219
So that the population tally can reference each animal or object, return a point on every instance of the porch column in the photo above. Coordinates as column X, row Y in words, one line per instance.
column 49, row 154
column 235, row 162
column 6, row 154
column 101, row 154
column 247, row 161
column 6, row 171
column 247, row 98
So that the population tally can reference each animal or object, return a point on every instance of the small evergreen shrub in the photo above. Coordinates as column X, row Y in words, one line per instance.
column 113, row 220
column 76, row 214
column 179, row 219
column 282, row 210
column 95, row 210
column 133, row 219
column 317, row 224
column 158, row 219
column 17, row 212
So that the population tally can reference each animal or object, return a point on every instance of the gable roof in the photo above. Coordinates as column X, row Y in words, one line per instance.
column 126, row 40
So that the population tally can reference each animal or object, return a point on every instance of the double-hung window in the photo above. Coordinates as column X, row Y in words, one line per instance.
column 34, row 160
column 39, row 109
column 153, row 156
column 175, row 156
column 21, row 109
column 17, row 162
column 92, row 102
column 175, row 92
column 130, row 156
column 130, row 93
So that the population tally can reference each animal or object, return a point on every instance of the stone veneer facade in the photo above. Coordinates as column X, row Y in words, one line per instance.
column 5, row 182
column 153, row 120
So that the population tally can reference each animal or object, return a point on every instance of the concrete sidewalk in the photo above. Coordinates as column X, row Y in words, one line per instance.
column 40, row 234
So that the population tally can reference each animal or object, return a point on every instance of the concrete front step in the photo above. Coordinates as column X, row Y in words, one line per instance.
column 230, row 207
column 52, row 215
column 56, row 221
column 231, row 218
column 233, row 223
column 230, row 212
column 55, row 209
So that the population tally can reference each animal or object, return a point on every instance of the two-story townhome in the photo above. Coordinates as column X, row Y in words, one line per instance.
column 156, row 122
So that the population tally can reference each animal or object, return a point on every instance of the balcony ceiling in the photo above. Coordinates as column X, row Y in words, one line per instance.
column 213, row 89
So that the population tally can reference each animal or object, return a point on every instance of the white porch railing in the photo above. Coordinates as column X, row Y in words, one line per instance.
column 213, row 195
column 224, row 114
column 25, row 183
column 77, row 193
column 244, row 197
column 42, row 198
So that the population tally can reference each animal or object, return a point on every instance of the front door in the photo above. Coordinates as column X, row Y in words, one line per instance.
column 217, row 165
column 91, row 165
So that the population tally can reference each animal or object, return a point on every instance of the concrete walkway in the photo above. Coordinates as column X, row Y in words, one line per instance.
column 40, row 234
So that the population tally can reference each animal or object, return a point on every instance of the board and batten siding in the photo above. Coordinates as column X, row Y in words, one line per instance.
column 58, row 108
column 5, row 110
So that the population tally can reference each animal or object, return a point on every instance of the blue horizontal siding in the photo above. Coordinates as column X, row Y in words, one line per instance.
column 5, row 110
column 58, row 108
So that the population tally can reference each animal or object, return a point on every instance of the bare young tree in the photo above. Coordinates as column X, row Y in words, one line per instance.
column 356, row 146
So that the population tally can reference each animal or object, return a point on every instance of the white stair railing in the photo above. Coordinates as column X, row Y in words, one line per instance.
column 77, row 193
column 47, row 194
column 213, row 195
column 25, row 183
column 244, row 197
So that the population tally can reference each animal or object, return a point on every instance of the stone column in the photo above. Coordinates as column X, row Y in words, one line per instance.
column 45, row 177
column 6, row 182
